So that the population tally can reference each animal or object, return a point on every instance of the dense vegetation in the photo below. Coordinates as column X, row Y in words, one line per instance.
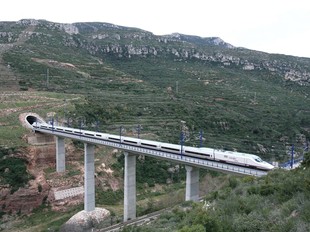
column 151, row 171
column 277, row 202
column 13, row 170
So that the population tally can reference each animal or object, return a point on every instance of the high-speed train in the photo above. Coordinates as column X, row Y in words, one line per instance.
column 236, row 158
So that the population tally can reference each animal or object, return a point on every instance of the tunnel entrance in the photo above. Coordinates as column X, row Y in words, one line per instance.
column 27, row 119
column 31, row 119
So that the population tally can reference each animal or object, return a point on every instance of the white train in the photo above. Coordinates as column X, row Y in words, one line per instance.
column 237, row 158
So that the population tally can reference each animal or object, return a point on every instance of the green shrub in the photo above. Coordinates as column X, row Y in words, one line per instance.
column 253, row 190
column 249, row 223
column 305, row 211
column 306, row 162
column 194, row 228
column 14, row 172
column 267, row 189
column 233, row 182
column 248, row 179
column 109, row 197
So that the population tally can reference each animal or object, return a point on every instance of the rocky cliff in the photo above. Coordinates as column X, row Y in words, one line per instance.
column 46, row 182
column 40, row 156
column 101, row 39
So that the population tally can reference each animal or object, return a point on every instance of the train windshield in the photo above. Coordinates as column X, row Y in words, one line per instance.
column 257, row 159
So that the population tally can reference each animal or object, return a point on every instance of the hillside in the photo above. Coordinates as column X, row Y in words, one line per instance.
column 240, row 99
column 108, row 77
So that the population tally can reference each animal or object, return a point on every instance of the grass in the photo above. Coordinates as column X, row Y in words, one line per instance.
column 15, row 103
column 11, row 136
column 45, row 219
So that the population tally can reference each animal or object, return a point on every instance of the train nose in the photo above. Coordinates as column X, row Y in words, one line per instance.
column 269, row 166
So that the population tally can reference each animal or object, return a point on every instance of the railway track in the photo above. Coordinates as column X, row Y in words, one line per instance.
column 135, row 222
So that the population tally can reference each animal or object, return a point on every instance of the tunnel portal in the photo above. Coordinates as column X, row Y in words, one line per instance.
column 27, row 119
column 31, row 119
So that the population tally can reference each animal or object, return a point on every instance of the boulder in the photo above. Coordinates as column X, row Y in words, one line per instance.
column 85, row 221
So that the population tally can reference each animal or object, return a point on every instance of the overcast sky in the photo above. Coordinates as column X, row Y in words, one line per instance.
column 274, row 26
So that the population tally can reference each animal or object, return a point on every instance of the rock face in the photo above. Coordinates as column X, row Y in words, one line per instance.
column 41, row 161
column 123, row 42
column 85, row 221
column 40, row 154
column 24, row 200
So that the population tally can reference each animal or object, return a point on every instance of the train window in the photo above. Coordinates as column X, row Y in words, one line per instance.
column 150, row 145
column 88, row 134
column 258, row 160
column 197, row 153
column 98, row 135
column 114, row 139
column 59, row 129
column 169, row 148
column 128, row 141
column 68, row 130
column 77, row 132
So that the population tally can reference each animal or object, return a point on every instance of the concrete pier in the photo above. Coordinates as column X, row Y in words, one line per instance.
column 89, row 177
column 192, row 184
column 130, row 187
column 60, row 155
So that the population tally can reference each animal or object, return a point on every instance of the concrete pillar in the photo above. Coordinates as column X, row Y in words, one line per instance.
column 60, row 155
column 192, row 184
column 89, row 177
column 130, row 187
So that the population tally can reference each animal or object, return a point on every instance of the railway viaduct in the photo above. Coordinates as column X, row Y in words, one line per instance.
column 192, row 166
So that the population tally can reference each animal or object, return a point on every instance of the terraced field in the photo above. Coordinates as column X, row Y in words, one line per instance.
column 14, row 103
